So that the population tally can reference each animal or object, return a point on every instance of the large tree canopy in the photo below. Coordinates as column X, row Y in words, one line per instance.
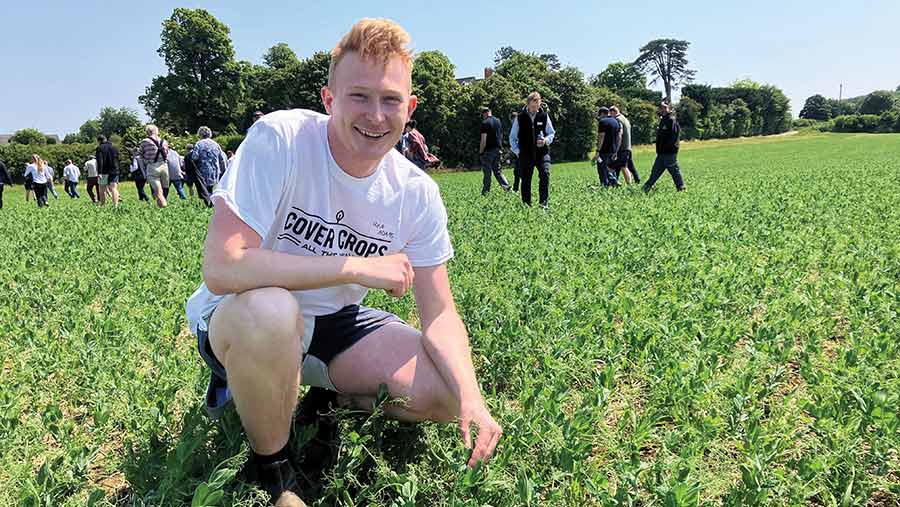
column 816, row 108
column 203, row 85
column 666, row 60
column 620, row 76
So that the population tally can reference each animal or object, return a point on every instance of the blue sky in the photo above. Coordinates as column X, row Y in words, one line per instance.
column 91, row 54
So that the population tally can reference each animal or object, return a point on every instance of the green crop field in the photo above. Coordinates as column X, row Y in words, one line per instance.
column 733, row 345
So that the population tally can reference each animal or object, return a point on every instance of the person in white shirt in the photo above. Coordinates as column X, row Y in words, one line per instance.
column 37, row 173
column 314, row 211
column 50, row 176
column 90, row 168
column 71, row 173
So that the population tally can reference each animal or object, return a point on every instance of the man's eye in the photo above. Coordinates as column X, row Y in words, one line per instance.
column 358, row 96
column 394, row 101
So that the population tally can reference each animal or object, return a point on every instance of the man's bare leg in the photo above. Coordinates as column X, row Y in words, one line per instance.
column 103, row 190
column 114, row 193
column 394, row 355
column 257, row 336
column 629, row 179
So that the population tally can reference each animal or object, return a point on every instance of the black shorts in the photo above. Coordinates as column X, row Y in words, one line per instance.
column 328, row 336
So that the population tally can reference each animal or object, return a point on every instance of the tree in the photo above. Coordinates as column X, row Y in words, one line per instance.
column 116, row 121
column 89, row 131
column 503, row 54
column 689, row 112
column 28, row 136
column 816, row 108
column 204, row 85
column 280, row 56
column 738, row 118
column 877, row 102
column 746, row 84
column 666, row 60
column 551, row 60
column 620, row 76
column 434, row 85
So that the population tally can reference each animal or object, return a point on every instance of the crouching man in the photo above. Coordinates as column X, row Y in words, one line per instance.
column 314, row 211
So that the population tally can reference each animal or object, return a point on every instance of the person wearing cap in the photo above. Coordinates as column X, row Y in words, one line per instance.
column 489, row 150
column 609, row 137
column 257, row 115
column 667, row 144
column 90, row 168
column 623, row 162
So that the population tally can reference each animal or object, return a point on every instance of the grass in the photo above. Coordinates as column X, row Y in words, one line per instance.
column 733, row 345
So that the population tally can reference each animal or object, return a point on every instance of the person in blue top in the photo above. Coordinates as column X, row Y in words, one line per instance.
column 530, row 138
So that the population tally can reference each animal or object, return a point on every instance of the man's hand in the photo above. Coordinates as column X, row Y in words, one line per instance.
column 488, row 431
column 392, row 273
column 540, row 143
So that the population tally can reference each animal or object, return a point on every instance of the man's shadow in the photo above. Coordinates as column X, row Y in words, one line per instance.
column 168, row 467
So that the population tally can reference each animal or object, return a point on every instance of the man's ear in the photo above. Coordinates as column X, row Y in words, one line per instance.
column 413, row 102
column 327, row 98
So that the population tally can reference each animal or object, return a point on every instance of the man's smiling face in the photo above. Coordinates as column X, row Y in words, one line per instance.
column 369, row 102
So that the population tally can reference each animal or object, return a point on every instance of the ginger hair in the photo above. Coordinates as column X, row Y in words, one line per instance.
column 378, row 39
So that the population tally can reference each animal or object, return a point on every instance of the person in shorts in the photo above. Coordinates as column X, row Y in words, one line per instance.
column 315, row 210
column 624, row 163
column 108, row 170
column 153, row 154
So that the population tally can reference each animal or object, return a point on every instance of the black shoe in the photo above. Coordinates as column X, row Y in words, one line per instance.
column 279, row 480
column 318, row 454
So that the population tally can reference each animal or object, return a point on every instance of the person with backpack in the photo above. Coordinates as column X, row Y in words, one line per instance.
column 153, row 155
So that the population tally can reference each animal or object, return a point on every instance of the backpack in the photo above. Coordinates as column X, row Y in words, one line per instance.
column 160, row 150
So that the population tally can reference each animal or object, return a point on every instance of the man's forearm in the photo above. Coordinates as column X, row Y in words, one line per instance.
column 448, row 346
column 254, row 268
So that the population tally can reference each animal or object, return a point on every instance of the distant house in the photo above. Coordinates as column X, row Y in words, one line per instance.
column 488, row 72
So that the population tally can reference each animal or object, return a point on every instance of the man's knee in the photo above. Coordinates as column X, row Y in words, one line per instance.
column 263, row 321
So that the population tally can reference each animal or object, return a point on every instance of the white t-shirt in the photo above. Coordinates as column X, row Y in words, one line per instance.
column 91, row 167
column 71, row 173
column 285, row 185
column 38, row 176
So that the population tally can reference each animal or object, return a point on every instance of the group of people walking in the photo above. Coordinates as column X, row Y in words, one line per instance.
column 532, row 133
column 154, row 162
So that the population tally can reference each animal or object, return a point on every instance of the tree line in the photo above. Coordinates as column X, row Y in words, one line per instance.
column 878, row 111
column 205, row 85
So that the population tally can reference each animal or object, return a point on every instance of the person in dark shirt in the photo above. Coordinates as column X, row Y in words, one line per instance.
column 530, row 138
column 108, row 169
column 609, row 137
column 4, row 180
column 489, row 149
column 667, row 143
